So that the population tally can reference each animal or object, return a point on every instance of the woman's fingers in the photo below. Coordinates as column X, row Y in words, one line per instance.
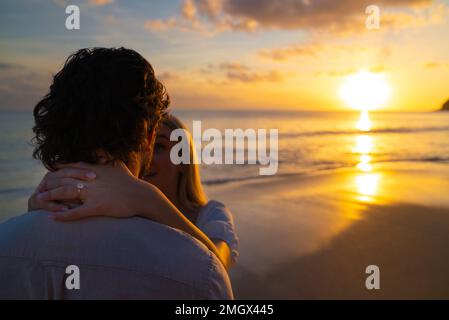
column 70, row 172
column 35, row 204
column 53, row 206
column 67, row 192
column 50, row 184
column 77, row 213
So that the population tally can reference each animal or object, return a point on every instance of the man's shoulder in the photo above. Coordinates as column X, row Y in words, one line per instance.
column 135, row 245
column 36, row 231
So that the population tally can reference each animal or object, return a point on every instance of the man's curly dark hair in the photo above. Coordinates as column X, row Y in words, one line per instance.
column 103, row 98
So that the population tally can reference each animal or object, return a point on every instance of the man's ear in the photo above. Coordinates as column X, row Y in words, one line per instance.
column 102, row 156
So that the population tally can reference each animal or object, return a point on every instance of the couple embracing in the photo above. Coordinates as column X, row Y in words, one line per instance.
column 135, row 225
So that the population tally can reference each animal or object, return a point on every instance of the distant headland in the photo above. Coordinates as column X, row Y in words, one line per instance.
column 445, row 106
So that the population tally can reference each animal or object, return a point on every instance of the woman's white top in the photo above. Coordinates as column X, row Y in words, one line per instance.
column 216, row 221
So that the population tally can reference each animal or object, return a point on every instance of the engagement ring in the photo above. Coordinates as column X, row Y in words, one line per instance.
column 80, row 186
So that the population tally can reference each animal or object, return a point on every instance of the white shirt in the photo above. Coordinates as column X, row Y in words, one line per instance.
column 216, row 221
column 131, row 258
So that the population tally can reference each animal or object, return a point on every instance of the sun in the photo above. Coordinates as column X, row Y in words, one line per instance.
column 365, row 90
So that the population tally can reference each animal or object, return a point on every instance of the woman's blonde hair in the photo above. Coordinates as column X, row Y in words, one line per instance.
column 190, row 190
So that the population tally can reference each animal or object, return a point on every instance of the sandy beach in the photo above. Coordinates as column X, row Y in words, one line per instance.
column 312, row 236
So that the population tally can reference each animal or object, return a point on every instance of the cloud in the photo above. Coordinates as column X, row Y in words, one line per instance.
column 281, row 54
column 349, row 71
column 430, row 16
column 8, row 66
column 62, row 3
column 202, row 16
column 233, row 67
column 432, row 65
column 342, row 16
column 99, row 2
column 245, row 76
column 435, row 65
column 308, row 49
column 188, row 10
column 167, row 76
column 299, row 14
column 159, row 24
column 210, row 8
column 235, row 71
column 377, row 69
column 21, row 88
column 112, row 20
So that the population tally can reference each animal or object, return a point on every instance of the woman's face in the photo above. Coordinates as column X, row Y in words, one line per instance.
column 163, row 173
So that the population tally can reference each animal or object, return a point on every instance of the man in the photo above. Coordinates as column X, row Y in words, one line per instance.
column 103, row 106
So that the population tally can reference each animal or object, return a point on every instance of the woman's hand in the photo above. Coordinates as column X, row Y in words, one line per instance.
column 107, row 190
column 111, row 190
column 69, row 176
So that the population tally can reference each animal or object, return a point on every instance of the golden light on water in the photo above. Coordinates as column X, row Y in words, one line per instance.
column 365, row 90
column 366, row 182
column 364, row 144
column 364, row 164
column 364, row 123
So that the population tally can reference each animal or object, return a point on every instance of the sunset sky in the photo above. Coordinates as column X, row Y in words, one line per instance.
column 239, row 54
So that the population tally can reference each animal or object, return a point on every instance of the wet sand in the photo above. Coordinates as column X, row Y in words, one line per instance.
column 312, row 236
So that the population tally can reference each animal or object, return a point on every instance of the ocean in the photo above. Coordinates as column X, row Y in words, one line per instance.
column 308, row 142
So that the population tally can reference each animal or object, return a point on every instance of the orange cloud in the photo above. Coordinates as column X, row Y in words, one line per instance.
column 203, row 16
column 160, row 25
column 346, row 72
column 341, row 16
column 167, row 76
column 64, row 3
column 188, row 10
column 245, row 76
column 308, row 49
column 300, row 14
column 281, row 54
column 400, row 20
column 236, row 71
column 99, row 2
column 233, row 67
column 434, row 65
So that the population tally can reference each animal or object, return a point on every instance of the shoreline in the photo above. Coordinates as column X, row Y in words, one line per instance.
column 312, row 236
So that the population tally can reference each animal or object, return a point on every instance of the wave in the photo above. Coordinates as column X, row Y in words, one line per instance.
column 17, row 191
column 374, row 131
column 418, row 159
column 320, row 166
column 249, row 178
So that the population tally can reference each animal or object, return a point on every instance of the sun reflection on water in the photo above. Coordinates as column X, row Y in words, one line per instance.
column 367, row 184
column 364, row 123
column 364, row 145
column 367, row 181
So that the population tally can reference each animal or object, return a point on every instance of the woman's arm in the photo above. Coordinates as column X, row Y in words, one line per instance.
column 160, row 209
column 113, row 191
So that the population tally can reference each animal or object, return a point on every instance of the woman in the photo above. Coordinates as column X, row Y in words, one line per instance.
column 170, row 194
